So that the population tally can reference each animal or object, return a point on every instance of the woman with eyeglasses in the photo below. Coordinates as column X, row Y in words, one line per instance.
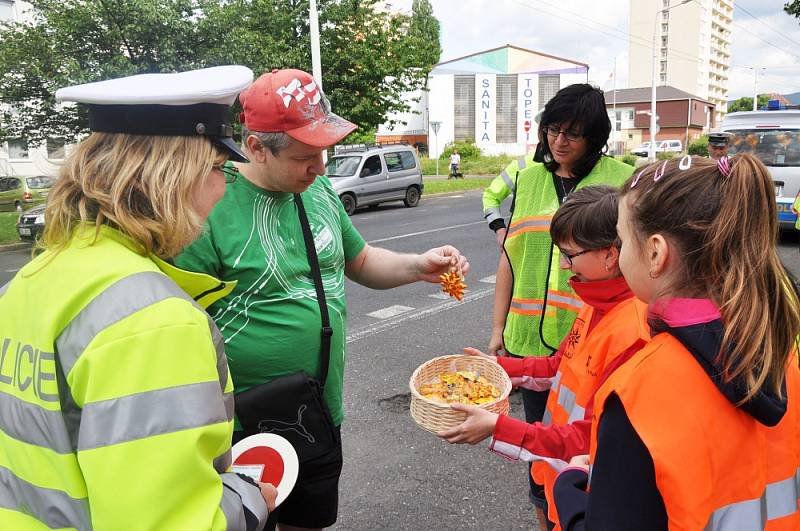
column 610, row 328
column 534, row 305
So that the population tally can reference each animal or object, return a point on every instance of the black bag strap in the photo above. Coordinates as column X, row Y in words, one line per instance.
column 313, row 261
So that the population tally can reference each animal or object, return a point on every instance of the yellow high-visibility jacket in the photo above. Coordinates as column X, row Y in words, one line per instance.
column 116, row 405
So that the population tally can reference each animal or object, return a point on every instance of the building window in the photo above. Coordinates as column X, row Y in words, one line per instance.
column 18, row 149
column 548, row 86
column 663, row 67
column 664, row 28
column 665, row 3
column 6, row 10
column 507, row 109
column 630, row 114
column 55, row 148
column 664, row 78
column 665, row 16
column 464, row 108
column 664, row 41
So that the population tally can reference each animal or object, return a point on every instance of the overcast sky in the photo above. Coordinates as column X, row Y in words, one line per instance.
column 596, row 31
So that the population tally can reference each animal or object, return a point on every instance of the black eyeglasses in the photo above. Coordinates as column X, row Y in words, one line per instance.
column 229, row 172
column 569, row 257
column 553, row 131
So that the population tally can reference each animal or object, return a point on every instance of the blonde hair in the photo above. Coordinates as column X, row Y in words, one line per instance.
column 725, row 225
column 143, row 186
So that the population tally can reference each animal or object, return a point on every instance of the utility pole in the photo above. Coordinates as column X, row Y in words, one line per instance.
column 755, row 70
column 316, row 63
column 653, row 126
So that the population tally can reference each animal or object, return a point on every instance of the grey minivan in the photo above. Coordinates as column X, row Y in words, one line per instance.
column 373, row 174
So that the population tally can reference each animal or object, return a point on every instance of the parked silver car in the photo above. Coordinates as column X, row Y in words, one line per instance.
column 366, row 174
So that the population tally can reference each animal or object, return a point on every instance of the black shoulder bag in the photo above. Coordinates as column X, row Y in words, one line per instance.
column 292, row 406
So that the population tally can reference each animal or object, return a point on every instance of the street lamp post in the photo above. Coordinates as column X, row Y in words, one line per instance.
column 651, row 156
column 755, row 70
column 435, row 128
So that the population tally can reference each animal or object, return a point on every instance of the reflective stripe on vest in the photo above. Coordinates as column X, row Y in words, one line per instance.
column 567, row 399
column 530, row 224
column 521, row 164
column 526, row 306
column 563, row 299
column 778, row 500
column 4, row 288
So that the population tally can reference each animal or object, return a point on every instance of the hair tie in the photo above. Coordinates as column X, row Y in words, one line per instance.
column 660, row 172
column 724, row 166
column 636, row 180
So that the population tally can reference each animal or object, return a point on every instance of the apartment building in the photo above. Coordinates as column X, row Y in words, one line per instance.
column 692, row 45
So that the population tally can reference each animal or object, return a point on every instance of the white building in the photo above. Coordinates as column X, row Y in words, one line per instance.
column 18, row 156
column 489, row 97
column 693, row 47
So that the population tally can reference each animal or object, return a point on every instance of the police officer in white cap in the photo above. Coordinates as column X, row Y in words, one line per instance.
column 718, row 145
column 116, row 405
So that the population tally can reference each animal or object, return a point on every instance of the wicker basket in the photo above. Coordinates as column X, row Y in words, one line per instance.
column 434, row 416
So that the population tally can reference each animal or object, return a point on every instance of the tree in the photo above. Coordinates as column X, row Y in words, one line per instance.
column 369, row 58
column 792, row 8
column 746, row 103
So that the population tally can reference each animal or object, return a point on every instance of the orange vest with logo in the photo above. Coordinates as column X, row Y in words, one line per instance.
column 584, row 360
column 716, row 467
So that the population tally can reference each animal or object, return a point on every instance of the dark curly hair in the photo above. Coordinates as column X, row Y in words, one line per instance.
column 584, row 108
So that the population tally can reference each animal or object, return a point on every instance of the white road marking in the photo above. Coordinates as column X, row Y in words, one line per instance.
column 425, row 232
column 371, row 330
column 11, row 270
column 489, row 280
column 391, row 311
column 440, row 295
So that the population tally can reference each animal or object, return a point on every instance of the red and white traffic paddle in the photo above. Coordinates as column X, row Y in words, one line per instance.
column 267, row 458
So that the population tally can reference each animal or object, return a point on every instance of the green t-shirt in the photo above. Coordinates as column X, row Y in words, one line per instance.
column 271, row 320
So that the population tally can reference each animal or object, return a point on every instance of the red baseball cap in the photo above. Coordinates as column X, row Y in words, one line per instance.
column 289, row 101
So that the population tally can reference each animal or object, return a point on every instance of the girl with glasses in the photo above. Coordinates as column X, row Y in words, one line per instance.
column 610, row 328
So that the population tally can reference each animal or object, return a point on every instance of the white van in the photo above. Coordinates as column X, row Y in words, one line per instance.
column 774, row 137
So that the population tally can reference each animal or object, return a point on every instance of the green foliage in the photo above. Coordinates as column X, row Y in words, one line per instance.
column 792, row 8
column 440, row 186
column 629, row 159
column 8, row 227
column 745, row 103
column 468, row 151
column 369, row 58
column 359, row 137
column 666, row 155
column 699, row 147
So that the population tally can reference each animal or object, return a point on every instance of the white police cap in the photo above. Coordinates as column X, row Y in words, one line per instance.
column 183, row 104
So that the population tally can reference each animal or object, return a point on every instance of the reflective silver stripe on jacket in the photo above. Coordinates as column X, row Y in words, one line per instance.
column 547, row 419
column 518, row 452
column 509, row 182
column 35, row 425
column 4, row 288
column 148, row 414
column 120, row 300
column 778, row 500
column 529, row 223
column 54, row 508
column 522, row 163
column 491, row 214
column 237, row 496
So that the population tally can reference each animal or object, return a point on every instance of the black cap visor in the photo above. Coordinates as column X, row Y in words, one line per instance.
column 227, row 144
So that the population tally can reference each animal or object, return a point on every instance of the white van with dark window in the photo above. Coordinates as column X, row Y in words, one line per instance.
column 367, row 174
column 773, row 137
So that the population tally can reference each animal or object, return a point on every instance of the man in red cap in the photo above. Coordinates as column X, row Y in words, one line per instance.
column 271, row 321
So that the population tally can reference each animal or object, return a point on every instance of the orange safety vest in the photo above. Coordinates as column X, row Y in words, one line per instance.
column 583, row 363
column 716, row 467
